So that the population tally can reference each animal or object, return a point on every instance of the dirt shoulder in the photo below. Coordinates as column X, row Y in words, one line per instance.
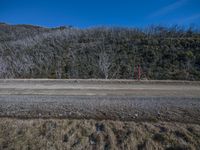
column 128, row 108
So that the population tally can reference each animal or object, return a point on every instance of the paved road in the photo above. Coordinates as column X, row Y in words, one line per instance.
column 101, row 99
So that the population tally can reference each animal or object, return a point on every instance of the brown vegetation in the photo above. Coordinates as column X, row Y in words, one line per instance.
column 162, row 52
column 91, row 134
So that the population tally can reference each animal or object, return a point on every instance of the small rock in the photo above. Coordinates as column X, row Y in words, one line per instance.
column 92, row 142
column 136, row 115
column 158, row 113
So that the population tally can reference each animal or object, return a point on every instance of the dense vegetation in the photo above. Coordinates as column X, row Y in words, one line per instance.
column 162, row 52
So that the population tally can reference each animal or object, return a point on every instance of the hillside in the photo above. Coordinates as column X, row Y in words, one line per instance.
column 28, row 51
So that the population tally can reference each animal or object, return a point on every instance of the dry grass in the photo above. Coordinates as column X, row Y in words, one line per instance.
column 91, row 134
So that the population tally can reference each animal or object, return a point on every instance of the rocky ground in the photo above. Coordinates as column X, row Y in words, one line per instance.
column 124, row 108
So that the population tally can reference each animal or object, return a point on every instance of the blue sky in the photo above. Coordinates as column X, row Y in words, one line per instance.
column 89, row 13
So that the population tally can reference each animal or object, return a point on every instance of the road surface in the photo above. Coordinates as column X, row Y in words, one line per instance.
column 101, row 99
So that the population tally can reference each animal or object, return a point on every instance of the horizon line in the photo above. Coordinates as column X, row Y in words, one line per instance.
column 192, row 25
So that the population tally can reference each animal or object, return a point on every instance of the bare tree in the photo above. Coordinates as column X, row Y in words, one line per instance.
column 104, row 63
column 58, row 70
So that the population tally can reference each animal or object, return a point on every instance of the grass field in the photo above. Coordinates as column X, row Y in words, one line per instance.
column 92, row 134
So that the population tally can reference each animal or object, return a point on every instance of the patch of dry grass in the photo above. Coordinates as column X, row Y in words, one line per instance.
column 91, row 134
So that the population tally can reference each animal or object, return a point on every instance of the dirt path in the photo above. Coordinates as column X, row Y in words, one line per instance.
column 100, row 87
column 101, row 99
